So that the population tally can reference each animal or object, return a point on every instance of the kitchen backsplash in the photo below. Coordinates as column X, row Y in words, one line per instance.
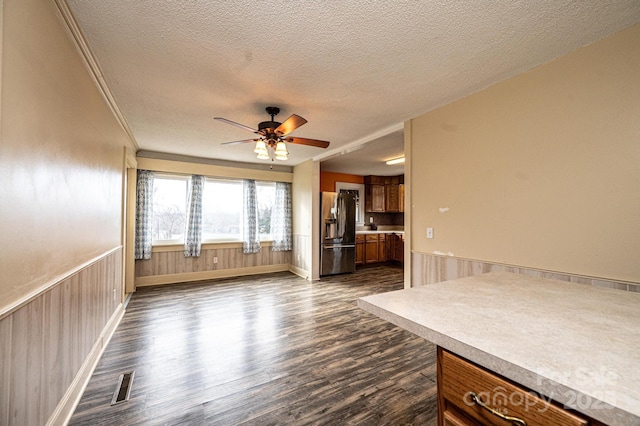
column 395, row 219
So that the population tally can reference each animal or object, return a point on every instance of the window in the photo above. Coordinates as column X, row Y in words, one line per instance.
column 358, row 191
column 266, row 192
column 221, row 209
column 169, row 208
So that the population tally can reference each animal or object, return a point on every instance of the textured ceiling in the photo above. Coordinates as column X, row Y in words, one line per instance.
column 352, row 69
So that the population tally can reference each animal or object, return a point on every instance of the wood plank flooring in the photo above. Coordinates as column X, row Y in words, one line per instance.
column 264, row 350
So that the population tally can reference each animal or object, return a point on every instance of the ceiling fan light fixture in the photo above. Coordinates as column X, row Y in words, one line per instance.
column 271, row 134
column 281, row 151
column 260, row 147
column 393, row 161
column 261, row 150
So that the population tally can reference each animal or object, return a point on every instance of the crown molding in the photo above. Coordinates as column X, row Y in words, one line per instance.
column 77, row 36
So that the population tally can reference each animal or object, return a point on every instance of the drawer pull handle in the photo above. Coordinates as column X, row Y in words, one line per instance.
column 513, row 420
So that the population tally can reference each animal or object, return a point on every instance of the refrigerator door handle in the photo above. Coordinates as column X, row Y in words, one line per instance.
column 339, row 246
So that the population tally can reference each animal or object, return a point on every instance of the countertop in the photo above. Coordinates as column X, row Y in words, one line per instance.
column 574, row 343
column 381, row 231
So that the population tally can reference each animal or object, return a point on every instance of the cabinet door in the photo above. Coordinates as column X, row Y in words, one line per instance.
column 359, row 253
column 391, row 198
column 390, row 246
column 398, row 252
column 371, row 249
column 377, row 198
column 401, row 197
column 360, row 249
column 382, row 248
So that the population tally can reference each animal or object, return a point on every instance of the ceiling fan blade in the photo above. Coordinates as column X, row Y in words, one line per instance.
column 233, row 123
column 290, row 125
column 305, row 141
column 237, row 142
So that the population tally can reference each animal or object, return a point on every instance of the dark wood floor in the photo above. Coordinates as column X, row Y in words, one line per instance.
column 261, row 350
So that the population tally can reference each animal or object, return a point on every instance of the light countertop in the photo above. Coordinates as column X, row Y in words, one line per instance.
column 382, row 231
column 574, row 343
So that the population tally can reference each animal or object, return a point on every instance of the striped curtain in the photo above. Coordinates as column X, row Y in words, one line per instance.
column 250, row 234
column 193, row 232
column 144, row 214
column 281, row 218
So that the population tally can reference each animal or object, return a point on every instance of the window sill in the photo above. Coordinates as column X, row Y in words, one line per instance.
column 171, row 247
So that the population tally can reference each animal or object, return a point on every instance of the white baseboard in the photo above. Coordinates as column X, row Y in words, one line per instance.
column 303, row 273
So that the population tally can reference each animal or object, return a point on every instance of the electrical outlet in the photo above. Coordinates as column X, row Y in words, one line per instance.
column 429, row 233
column 370, row 219
column 215, row 260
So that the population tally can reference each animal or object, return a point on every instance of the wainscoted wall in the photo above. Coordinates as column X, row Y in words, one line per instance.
column 431, row 268
column 50, row 344
column 168, row 264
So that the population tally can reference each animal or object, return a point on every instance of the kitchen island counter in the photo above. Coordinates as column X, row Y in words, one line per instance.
column 576, row 344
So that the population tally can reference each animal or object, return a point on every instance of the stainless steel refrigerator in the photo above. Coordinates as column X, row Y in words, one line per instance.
column 337, row 233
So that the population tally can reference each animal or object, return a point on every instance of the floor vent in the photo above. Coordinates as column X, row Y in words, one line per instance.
column 123, row 389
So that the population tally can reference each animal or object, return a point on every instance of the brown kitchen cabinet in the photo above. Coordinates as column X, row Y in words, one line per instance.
column 392, row 194
column 466, row 392
column 398, row 251
column 360, row 246
column 395, row 247
column 374, row 194
column 384, row 194
column 391, row 197
column 371, row 248
column 382, row 249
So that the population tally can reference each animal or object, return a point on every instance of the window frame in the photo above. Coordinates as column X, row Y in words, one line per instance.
column 264, row 238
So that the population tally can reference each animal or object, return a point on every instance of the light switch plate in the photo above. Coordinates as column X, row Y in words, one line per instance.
column 429, row 233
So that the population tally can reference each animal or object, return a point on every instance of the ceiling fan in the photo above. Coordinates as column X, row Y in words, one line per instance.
column 271, row 135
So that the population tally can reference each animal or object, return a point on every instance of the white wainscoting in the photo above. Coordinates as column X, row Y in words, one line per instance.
column 432, row 268
column 50, row 344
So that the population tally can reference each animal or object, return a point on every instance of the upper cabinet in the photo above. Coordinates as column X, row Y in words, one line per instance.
column 384, row 193
column 374, row 200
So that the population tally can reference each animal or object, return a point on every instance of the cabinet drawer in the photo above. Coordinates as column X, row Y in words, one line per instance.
column 451, row 418
column 359, row 238
column 372, row 237
column 460, row 378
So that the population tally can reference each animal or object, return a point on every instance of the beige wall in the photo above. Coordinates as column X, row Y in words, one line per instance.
column 542, row 170
column 61, row 174
column 62, row 155
column 305, row 201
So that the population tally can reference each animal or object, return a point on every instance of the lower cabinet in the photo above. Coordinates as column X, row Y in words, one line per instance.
column 371, row 248
column 379, row 247
column 395, row 248
column 471, row 395
column 360, row 243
